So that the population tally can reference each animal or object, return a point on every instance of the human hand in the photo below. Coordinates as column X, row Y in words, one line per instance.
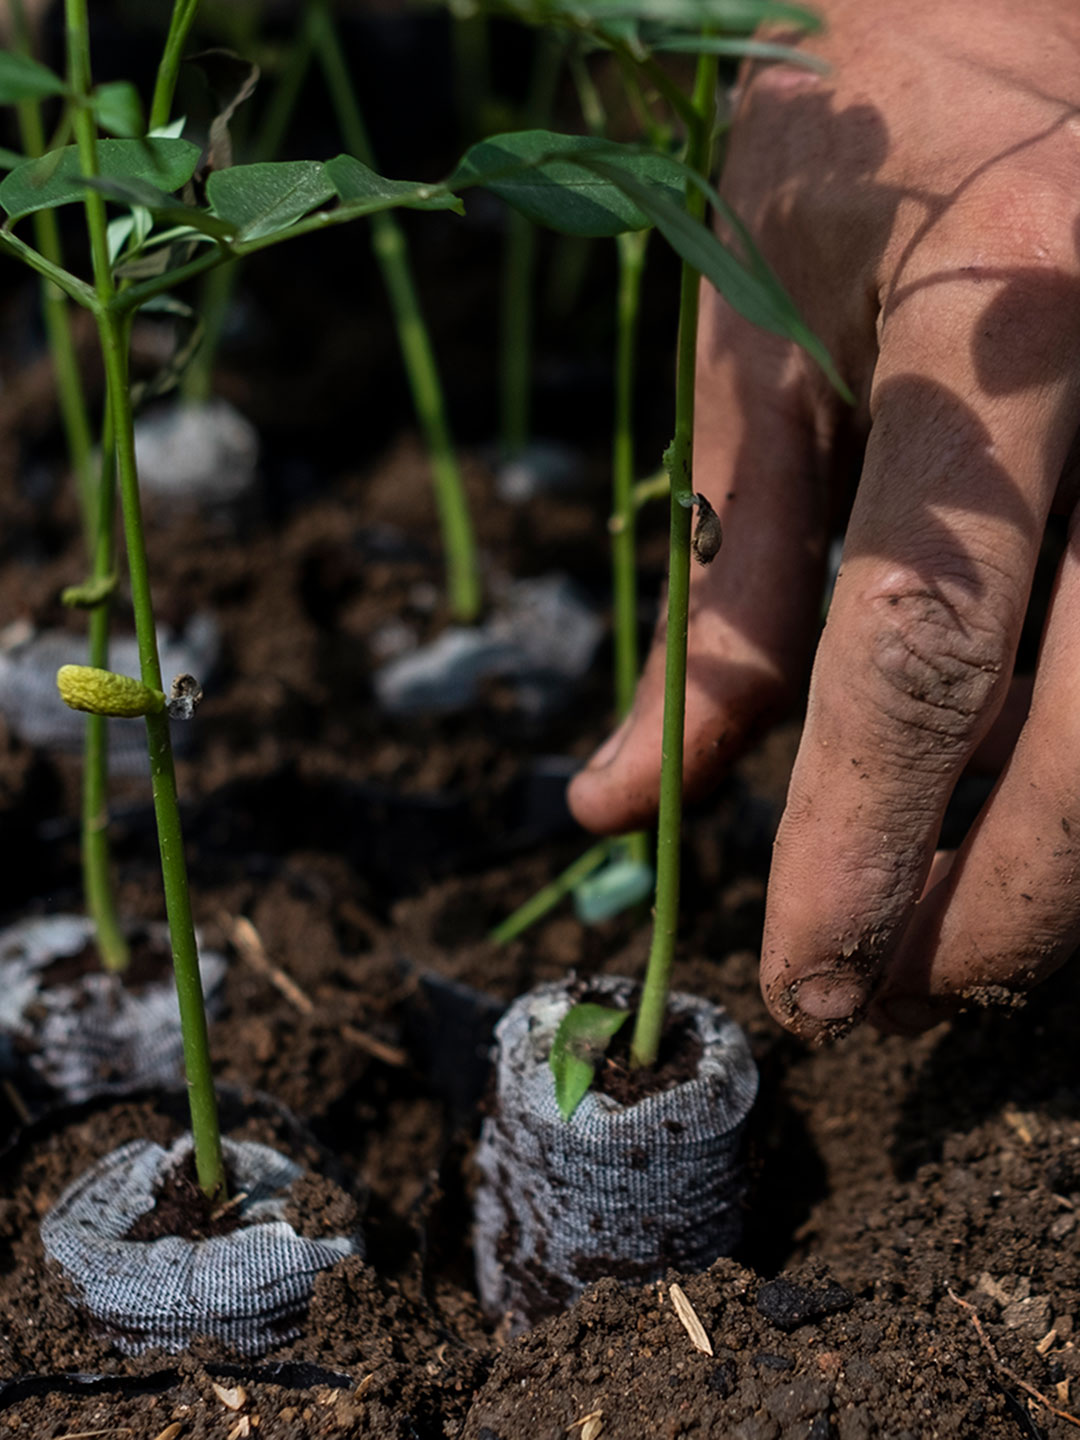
column 921, row 204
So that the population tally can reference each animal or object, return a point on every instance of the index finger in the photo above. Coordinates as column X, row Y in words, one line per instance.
column 972, row 413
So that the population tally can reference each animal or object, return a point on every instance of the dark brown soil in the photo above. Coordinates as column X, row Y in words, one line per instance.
column 182, row 1207
column 911, row 1266
column 150, row 963
column 677, row 1062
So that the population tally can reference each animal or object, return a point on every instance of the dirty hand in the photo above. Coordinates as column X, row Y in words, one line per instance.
column 921, row 202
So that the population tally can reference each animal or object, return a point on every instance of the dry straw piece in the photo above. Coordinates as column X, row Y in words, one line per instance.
column 590, row 1425
column 690, row 1322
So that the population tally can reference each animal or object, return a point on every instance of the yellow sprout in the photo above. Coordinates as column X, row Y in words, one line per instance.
column 101, row 692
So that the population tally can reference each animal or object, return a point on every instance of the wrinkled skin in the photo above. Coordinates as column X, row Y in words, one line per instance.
column 921, row 202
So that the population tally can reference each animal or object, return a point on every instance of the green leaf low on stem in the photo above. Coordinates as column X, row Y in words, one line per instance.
column 580, row 1043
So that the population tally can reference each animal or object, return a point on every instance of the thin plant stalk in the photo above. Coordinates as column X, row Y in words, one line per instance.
column 471, row 45
column 650, row 1017
column 97, row 502
column 391, row 254
column 180, row 23
column 96, row 858
column 113, row 331
column 632, row 245
column 56, row 311
column 545, row 899
column 516, row 304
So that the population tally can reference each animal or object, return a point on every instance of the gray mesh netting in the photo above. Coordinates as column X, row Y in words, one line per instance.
column 616, row 1190
column 31, row 704
column 196, row 456
column 93, row 1034
column 250, row 1288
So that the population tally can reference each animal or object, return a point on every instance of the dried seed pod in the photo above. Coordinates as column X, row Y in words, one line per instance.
column 102, row 692
column 708, row 533
column 185, row 697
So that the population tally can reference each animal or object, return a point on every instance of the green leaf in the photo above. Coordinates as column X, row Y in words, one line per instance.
column 540, row 174
column 118, row 109
column 10, row 158
column 750, row 287
column 56, row 178
column 356, row 183
column 24, row 79
column 730, row 15
column 257, row 200
column 141, row 195
column 612, row 890
column 741, row 46
column 88, row 595
column 580, row 1043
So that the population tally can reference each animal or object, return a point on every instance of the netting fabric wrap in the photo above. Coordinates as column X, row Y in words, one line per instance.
column 95, row 1034
column 616, row 1190
column 249, row 1289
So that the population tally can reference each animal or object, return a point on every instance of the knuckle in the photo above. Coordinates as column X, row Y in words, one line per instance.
column 935, row 671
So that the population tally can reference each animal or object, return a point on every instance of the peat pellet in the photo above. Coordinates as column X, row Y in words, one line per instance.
column 628, row 1190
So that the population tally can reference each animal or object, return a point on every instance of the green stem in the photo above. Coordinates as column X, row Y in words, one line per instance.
column 632, row 246
column 113, row 332
column 71, row 285
column 183, row 16
column 209, row 1164
column 631, row 250
column 650, row 1017
column 56, row 314
column 515, row 334
column 97, row 499
column 215, row 295
column 517, row 301
column 97, row 875
column 538, row 905
column 388, row 243
column 472, row 73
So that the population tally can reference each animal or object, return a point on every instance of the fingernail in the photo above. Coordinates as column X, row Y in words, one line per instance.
column 834, row 995
column 610, row 748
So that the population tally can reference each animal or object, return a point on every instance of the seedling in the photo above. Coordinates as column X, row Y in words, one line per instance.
column 581, row 185
column 317, row 43
column 673, row 196
column 27, row 84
